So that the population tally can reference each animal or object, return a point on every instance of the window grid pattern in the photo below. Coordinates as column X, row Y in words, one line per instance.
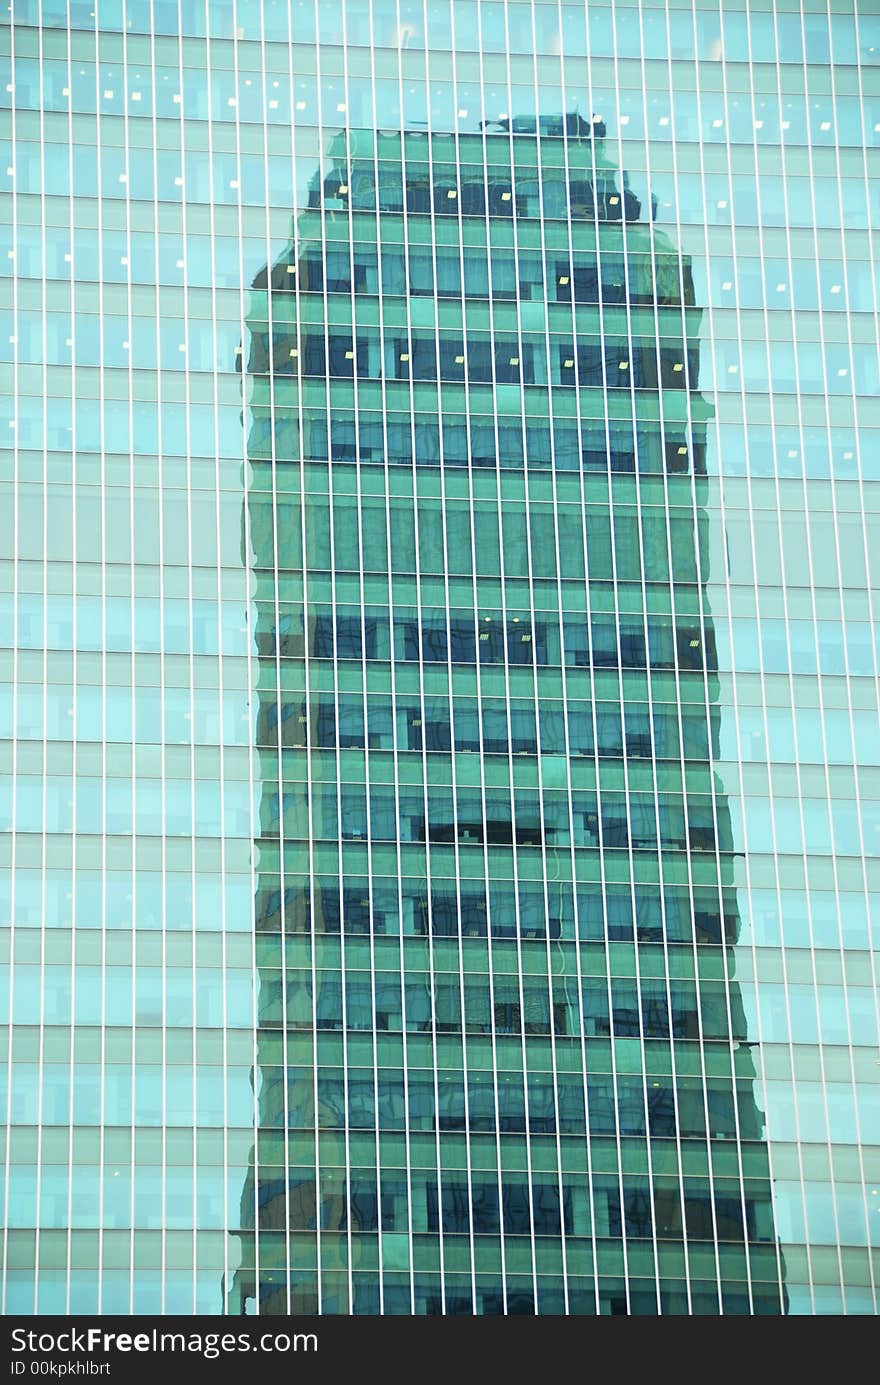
column 441, row 678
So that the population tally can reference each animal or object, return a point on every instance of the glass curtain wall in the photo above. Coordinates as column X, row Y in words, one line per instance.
column 438, row 670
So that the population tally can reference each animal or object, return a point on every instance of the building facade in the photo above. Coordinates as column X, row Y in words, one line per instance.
column 441, row 685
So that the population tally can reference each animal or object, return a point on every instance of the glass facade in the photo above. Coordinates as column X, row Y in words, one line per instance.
column 442, row 776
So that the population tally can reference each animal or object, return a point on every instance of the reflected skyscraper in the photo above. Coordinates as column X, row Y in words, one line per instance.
column 439, row 700
column 502, row 1064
